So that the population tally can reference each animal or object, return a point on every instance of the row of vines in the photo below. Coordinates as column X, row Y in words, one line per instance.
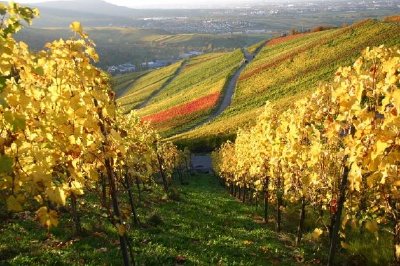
column 62, row 135
column 336, row 151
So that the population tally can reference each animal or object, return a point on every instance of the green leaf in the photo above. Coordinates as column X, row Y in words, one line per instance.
column 13, row 205
column 18, row 124
column 2, row 83
column 6, row 164
column 3, row 9
column 39, row 71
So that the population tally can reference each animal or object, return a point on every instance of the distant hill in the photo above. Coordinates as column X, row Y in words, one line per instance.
column 95, row 13
column 97, row 7
column 90, row 12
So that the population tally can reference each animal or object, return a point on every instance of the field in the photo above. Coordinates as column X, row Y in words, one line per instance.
column 289, row 70
column 313, row 180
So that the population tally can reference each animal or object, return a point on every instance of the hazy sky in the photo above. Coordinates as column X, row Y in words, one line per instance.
column 172, row 3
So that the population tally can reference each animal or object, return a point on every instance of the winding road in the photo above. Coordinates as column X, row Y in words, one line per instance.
column 228, row 93
column 230, row 90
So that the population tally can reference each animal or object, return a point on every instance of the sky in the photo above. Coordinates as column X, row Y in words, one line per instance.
column 172, row 3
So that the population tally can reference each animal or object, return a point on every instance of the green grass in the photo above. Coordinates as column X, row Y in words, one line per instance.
column 288, row 71
column 209, row 227
column 24, row 242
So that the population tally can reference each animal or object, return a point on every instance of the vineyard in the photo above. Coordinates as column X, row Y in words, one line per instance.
column 122, row 82
column 305, row 161
column 65, row 146
column 285, row 72
column 143, row 87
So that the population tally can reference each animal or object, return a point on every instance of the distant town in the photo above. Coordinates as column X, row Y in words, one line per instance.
column 248, row 19
column 129, row 67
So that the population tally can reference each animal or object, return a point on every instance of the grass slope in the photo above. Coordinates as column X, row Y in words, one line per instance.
column 290, row 70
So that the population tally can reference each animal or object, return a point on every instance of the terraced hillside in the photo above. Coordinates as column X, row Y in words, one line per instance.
column 193, row 94
column 143, row 87
column 290, row 69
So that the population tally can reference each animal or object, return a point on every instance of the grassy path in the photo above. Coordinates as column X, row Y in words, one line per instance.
column 209, row 227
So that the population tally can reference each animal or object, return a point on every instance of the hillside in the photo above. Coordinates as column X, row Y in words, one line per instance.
column 102, row 7
column 143, row 87
column 289, row 70
column 121, row 83
column 189, row 97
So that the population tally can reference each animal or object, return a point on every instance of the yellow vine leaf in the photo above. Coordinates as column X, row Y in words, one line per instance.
column 316, row 234
column 344, row 245
column 397, row 250
column 92, row 53
column 39, row 199
column 380, row 148
column 76, row 27
column 48, row 218
column 372, row 226
column 76, row 188
column 247, row 242
column 94, row 175
column 56, row 195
